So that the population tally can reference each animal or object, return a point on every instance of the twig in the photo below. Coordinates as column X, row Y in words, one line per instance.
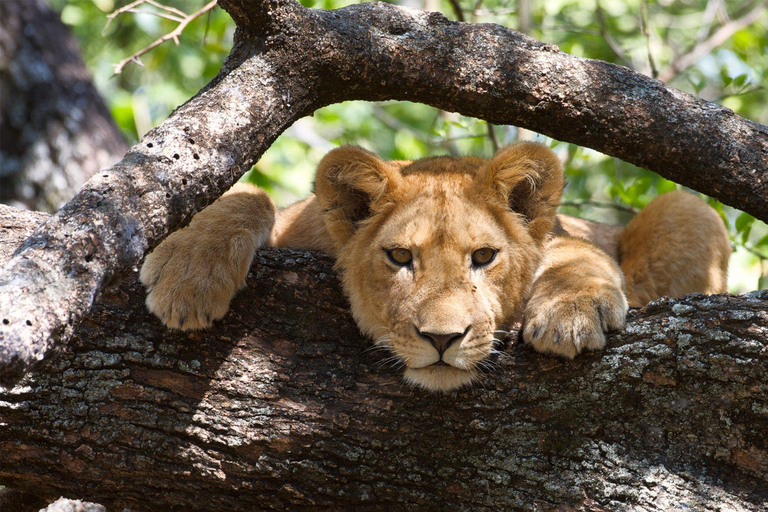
column 720, row 36
column 132, row 6
column 496, row 12
column 447, row 142
column 599, row 204
column 763, row 272
column 160, row 14
column 647, row 34
column 711, row 11
column 457, row 10
column 614, row 46
column 187, row 19
column 461, row 137
column 740, row 93
column 207, row 26
column 396, row 124
column 524, row 17
column 753, row 251
column 492, row 136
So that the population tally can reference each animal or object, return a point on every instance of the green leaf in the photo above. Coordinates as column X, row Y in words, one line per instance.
column 665, row 186
column 256, row 177
column 699, row 85
column 744, row 226
column 725, row 77
column 744, row 221
column 763, row 242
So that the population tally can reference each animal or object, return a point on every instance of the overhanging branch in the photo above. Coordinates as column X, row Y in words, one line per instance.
column 288, row 61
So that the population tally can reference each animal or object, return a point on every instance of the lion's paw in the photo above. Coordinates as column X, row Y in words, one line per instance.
column 567, row 325
column 192, row 276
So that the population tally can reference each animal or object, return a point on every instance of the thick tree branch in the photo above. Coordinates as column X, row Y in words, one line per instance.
column 289, row 61
column 282, row 407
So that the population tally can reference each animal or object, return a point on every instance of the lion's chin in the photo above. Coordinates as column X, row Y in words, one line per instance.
column 441, row 378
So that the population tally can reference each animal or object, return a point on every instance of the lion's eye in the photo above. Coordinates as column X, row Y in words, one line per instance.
column 400, row 256
column 483, row 257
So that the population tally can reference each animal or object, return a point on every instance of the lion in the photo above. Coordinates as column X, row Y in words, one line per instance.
column 439, row 256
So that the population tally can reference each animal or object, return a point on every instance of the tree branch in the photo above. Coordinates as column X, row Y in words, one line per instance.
column 288, row 61
column 281, row 406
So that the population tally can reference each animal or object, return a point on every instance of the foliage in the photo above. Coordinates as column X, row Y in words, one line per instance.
column 651, row 36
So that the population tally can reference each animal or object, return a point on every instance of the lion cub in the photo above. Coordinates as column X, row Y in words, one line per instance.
column 438, row 255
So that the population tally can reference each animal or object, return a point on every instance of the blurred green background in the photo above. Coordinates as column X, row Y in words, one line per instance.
column 727, row 38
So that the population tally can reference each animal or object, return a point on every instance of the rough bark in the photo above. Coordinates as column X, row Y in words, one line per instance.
column 288, row 61
column 281, row 407
column 55, row 130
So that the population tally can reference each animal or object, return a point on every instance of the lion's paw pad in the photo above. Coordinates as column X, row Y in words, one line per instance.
column 569, row 326
column 191, row 280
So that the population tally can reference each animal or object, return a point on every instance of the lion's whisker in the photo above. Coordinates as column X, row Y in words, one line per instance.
column 393, row 361
column 477, row 379
column 377, row 348
column 488, row 365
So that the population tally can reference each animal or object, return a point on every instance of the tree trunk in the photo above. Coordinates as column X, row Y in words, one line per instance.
column 55, row 131
column 288, row 61
column 281, row 406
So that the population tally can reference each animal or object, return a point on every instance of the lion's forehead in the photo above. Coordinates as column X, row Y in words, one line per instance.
column 430, row 220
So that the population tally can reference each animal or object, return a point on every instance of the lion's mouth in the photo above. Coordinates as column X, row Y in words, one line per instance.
column 443, row 372
column 440, row 377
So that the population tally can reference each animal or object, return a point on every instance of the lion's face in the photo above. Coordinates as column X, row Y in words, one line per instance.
column 416, row 288
column 433, row 258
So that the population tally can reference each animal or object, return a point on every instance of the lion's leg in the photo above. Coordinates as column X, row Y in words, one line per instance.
column 577, row 296
column 192, row 275
column 674, row 246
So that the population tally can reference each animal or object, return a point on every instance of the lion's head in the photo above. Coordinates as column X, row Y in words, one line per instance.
column 438, row 254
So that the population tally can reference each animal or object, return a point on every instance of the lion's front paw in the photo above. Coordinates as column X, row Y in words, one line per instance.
column 192, row 276
column 568, row 323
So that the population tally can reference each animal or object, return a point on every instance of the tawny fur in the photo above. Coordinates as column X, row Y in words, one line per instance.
column 557, row 275
column 192, row 276
column 675, row 246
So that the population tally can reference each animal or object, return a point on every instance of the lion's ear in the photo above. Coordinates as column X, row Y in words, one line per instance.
column 349, row 183
column 529, row 178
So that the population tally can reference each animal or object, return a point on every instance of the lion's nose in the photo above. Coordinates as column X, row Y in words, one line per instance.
column 442, row 341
